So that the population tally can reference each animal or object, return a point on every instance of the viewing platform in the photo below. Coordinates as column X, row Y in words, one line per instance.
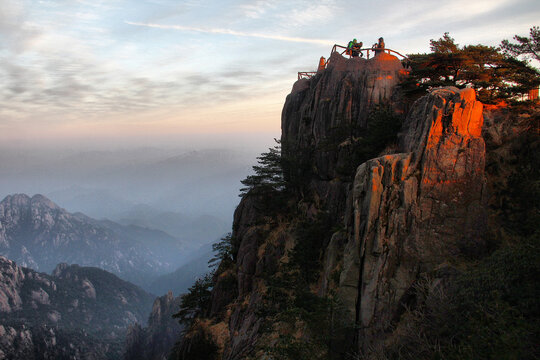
column 364, row 53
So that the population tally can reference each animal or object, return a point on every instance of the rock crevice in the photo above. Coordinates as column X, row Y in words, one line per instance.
column 416, row 210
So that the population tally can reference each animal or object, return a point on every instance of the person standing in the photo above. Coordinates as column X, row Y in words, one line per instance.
column 356, row 48
column 350, row 47
column 379, row 47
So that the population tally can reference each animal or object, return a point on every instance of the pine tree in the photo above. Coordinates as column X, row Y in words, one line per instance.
column 196, row 300
column 223, row 251
column 493, row 73
column 527, row 47
column 268, row 177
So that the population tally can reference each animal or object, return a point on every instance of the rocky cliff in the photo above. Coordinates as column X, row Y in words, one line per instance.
column 415, row 211
column 156, row 340
column 39, row 234
column 77, row 313
column 331, row 266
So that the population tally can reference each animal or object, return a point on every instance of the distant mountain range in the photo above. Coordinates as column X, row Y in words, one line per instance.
column 75, row 313
column 39, row 234
column 104, row 184
column 192, row 230
column 182, row 278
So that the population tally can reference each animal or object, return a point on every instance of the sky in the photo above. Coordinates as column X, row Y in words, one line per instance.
column 141, row 72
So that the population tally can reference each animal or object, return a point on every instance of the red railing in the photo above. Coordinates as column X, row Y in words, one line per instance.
column 404, row 59
column 368, row 50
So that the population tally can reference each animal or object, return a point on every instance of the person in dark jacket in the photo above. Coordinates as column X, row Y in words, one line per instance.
column 356, row 48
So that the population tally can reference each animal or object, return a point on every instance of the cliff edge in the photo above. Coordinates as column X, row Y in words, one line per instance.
column 380, row 202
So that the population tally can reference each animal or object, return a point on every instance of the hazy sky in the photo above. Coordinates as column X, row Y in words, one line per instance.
column 78, row 70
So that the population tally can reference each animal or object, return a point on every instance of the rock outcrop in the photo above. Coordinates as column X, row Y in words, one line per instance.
column 335, row 101
column 415, row 210
column 11, row 278
column 51, row 317
column 155, row 341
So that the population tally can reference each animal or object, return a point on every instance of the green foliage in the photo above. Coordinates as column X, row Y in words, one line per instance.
column 287, row 347
column 499, row 300
column 297, row 168
column 268, row 177
column 383, row 127
column 201, row 347
column 488, row 312
column 323, row 320
column 268, row 182
column 527, row 47
column 291, row 302
column 312, row 236
column 196, row 301
column 522, row 211
column 224, row 251
column 484, row 68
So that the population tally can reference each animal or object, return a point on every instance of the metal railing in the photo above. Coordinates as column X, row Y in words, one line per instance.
column 306, row 74
column 404, row 59
column 369, row 50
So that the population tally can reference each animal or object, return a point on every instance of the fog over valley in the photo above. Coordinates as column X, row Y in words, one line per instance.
column 279, row 180
column 150, row 186
column 186, row 193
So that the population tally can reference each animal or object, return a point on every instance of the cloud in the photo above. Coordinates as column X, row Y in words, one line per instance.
column 256, row 9
column 240, row 74
column 234, row 33
column 16, row 31
column 309, row 14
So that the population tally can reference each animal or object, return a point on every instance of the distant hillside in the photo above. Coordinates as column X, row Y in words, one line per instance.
column 182, row 278
column 38, row 234
column 191, row 229
column 104, row 183
column 77, row 313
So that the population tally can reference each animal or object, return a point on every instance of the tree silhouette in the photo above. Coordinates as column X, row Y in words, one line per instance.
column 268, row 177
column 493, row 73
column 529, row 47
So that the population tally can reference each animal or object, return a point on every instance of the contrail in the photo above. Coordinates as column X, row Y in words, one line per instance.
column 235, row 33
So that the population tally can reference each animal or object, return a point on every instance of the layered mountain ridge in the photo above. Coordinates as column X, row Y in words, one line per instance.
column 77, row 313
column 39, row 234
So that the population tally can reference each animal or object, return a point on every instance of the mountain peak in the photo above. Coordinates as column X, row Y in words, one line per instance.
column 16, row 199
column 23, row 200
column 39, row 199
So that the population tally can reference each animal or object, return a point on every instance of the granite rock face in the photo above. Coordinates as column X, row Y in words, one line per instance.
column 416, row 210
column 400, row 216
column 11, row 278
column 337, row 100
column 52, row 317
column 155, row 341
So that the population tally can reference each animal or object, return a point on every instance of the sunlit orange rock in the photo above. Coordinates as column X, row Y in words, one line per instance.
column 416, row 210
column 339, row 96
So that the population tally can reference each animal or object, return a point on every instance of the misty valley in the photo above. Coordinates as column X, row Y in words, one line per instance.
column 139, row 231
column 395, row 217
